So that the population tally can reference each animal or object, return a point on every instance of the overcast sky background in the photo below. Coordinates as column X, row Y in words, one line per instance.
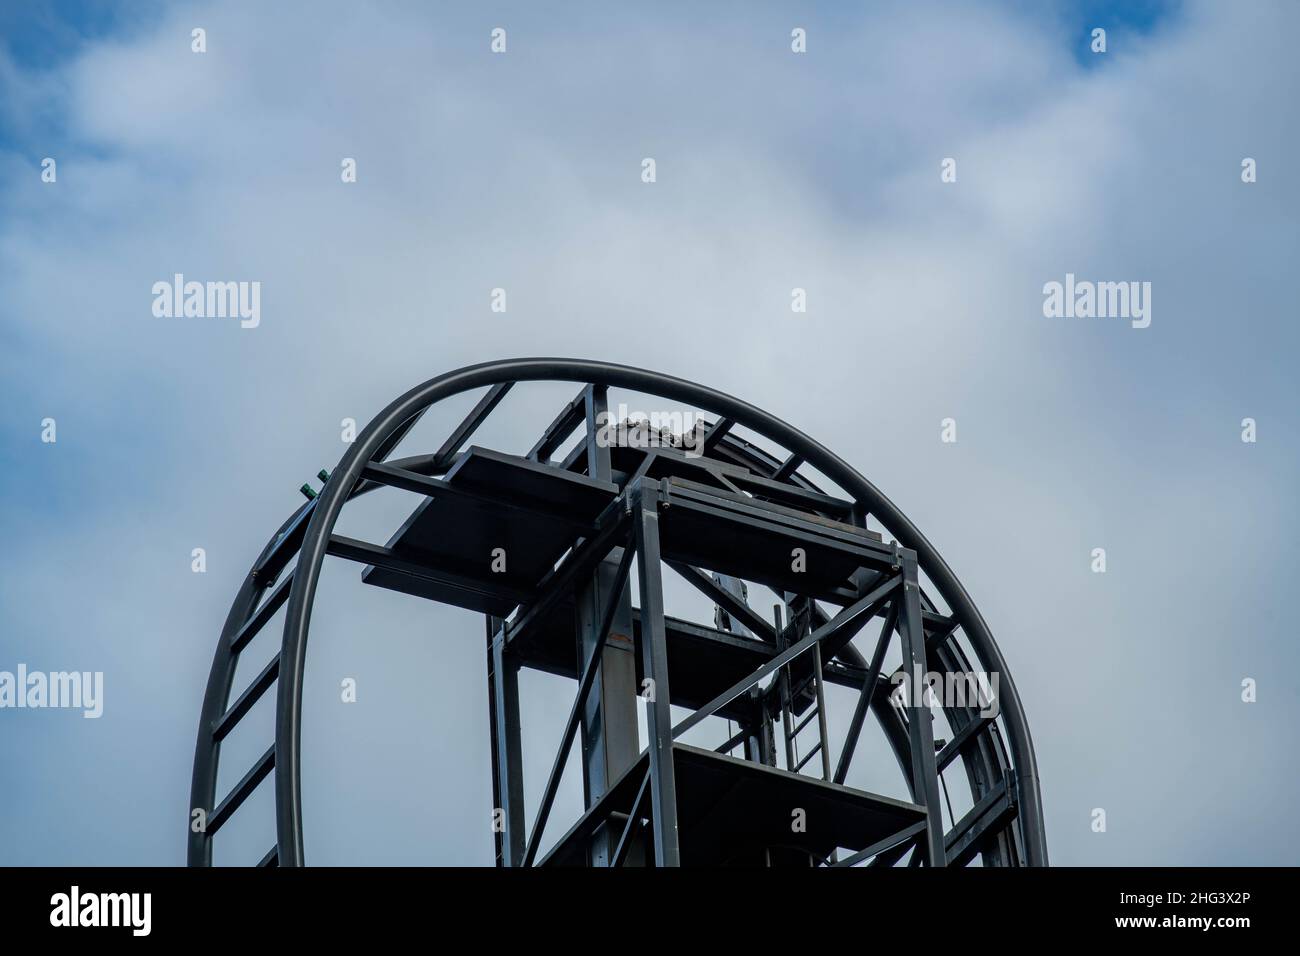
column 775, row 170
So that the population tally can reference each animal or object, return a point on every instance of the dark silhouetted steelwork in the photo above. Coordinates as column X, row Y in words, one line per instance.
column 731, row 514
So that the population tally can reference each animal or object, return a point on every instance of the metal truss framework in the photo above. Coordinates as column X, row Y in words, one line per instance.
column 737, row 511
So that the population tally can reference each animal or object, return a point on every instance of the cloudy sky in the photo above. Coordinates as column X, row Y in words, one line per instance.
column 775, row 170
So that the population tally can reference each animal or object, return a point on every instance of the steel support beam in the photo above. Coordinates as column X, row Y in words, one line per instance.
column 624, row 846
column 852, row 616
column 261, row 684
column 654, row 666
column 451, row 447
column 716, row 433
column 590, row 672
column 564, row 580
column 507, row 750
column 609, row 727
column 255, row 775
column 604, row 621
column 729, row 600
column 920, row 728
column 975, row 726
column 498, row 835
column 888, row 843
column 558, row 432
column 982, row 822
column 868, row 692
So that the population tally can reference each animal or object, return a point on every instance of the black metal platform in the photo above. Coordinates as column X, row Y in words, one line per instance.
column 729, row 532
column 727, row 807
column 536, row 512
column 488, row 501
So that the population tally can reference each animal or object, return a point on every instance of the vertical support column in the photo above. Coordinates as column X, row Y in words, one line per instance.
column 493, row 625
column 760, row 743
column 596, row 406
column 609, row 731
column 654, row 664
column 784, row 697
column 760, row 739
column 925, row 774
column 507, row 760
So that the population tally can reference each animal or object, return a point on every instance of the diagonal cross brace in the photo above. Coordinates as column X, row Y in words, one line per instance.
column 856, row 612
column 575, row 713
column 729, row 602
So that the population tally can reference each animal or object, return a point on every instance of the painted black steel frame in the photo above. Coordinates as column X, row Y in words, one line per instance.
column 1005, row 824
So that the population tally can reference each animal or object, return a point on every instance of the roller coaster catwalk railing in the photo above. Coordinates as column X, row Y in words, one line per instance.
column 896, row 575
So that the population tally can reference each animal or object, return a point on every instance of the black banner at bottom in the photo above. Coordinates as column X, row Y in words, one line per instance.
column 370, row 905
